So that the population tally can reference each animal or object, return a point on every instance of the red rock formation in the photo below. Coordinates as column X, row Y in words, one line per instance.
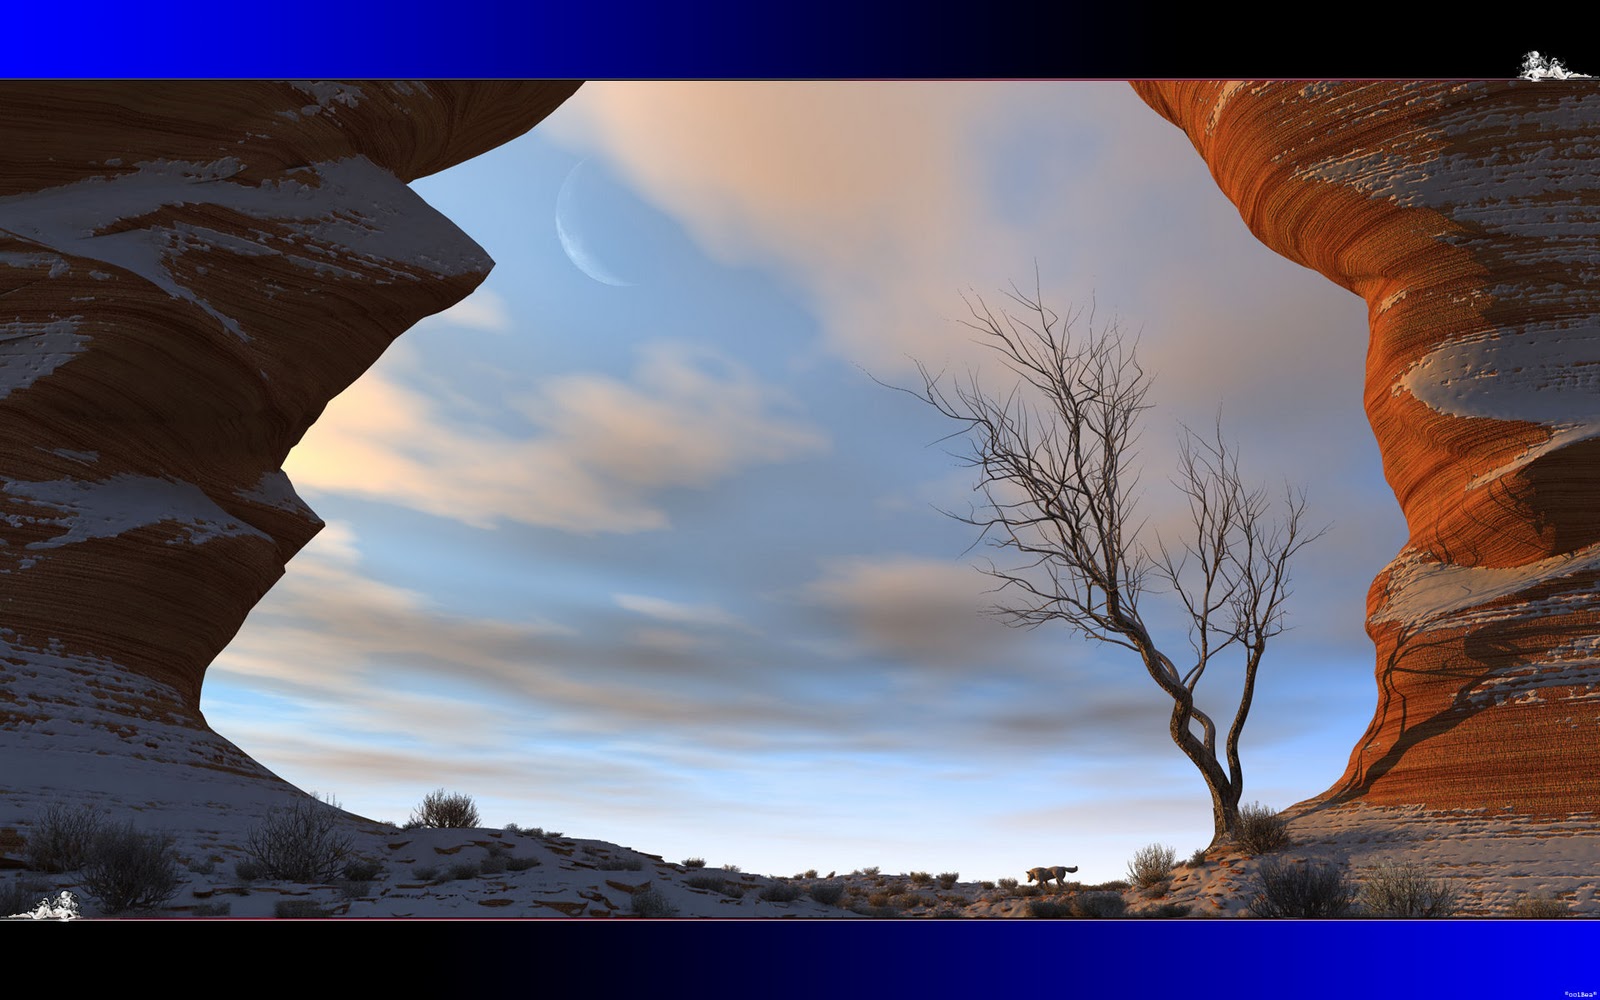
column 188, row 273
column 1466, row 214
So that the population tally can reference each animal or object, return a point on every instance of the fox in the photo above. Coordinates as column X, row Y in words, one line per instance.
column 1057, row 872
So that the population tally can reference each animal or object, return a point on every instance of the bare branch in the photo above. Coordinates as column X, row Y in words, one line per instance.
column 1056, row 462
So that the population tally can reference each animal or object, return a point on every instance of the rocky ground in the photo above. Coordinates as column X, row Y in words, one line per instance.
column 516, row 873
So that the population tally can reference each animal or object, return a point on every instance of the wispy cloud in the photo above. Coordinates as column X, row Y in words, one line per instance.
column 604, row 448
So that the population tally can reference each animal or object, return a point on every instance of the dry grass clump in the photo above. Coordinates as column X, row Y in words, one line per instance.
column 1098, row 904
column 1539, row 908
column 1393, row 889
column 1284, row 889
column 780, row 892
column 827, row 893
column 652, row 904
column 948, row 880
column 1261, row 830
column 1152, row 865
column 693, row 862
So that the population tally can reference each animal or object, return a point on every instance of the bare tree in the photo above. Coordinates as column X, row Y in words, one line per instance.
column 1055, row 458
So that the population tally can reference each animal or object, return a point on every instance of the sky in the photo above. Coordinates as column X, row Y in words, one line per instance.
column 632, row 544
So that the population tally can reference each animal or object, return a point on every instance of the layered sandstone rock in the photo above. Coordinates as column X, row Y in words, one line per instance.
column 1466, row 215
column 188, row 273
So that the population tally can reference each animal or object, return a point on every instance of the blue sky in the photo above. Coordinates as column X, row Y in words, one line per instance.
column 658, row 563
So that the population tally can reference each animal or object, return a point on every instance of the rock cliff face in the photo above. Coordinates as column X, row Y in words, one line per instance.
column 1466, row 215
column 188, row 273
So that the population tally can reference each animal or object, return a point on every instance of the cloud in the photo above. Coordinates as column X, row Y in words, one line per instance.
column 482, row 310
column 926, row 611
column 687, row 420
column 678, row 613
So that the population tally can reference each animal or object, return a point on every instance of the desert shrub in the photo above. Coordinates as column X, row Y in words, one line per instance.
column 1027, row 891
column 651, row 903
column 205, row 866
column 299, row 909
column 354, row 888
column 512, row 828
column 1261, row 830
column 426, row 872
column 1007, row 883
column 1044, row 909
column 446, row 811
column 1198, row 858
column 1283, row 889
column 1152, row 865
column 870, row 871
column 878, row 899
column 61, row 838
column 710, row 882
column 494, row 864
column 1539, row 908
column 362, row 869
column 912, row 900
column 521, row 864
column 1393, row 889
column 621, row 865
column 827, row 893
column 129, row 869
column 1097, row 904
column 22, row 896
column 1166, row 911
column 211, row 909
column 986, row 885
column 694, row 862
column 463, row 870
column 948, row 880
column 249, row 871
column 780, row 892
column 921, row 878
column 299, row 844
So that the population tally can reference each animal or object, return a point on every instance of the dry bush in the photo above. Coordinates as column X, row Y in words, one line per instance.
column 299, row 909
column 1098, row 904
column 694, row 862
column 780, row 892
column 948, row 880
column 1260, row 830
column 1539, row 908
column 299, row 844
column 827, row 893
column 1393, row 889
column 921, row 878
column 446, row 811
column 1007, row 883
column 1284, row 889
column 128, row 869
column 61, row 838
column 1044, row 909
column 1152, row 865
column 650, row 903
column 22, row 896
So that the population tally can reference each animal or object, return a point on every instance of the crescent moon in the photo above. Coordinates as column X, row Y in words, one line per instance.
column 571, row 235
